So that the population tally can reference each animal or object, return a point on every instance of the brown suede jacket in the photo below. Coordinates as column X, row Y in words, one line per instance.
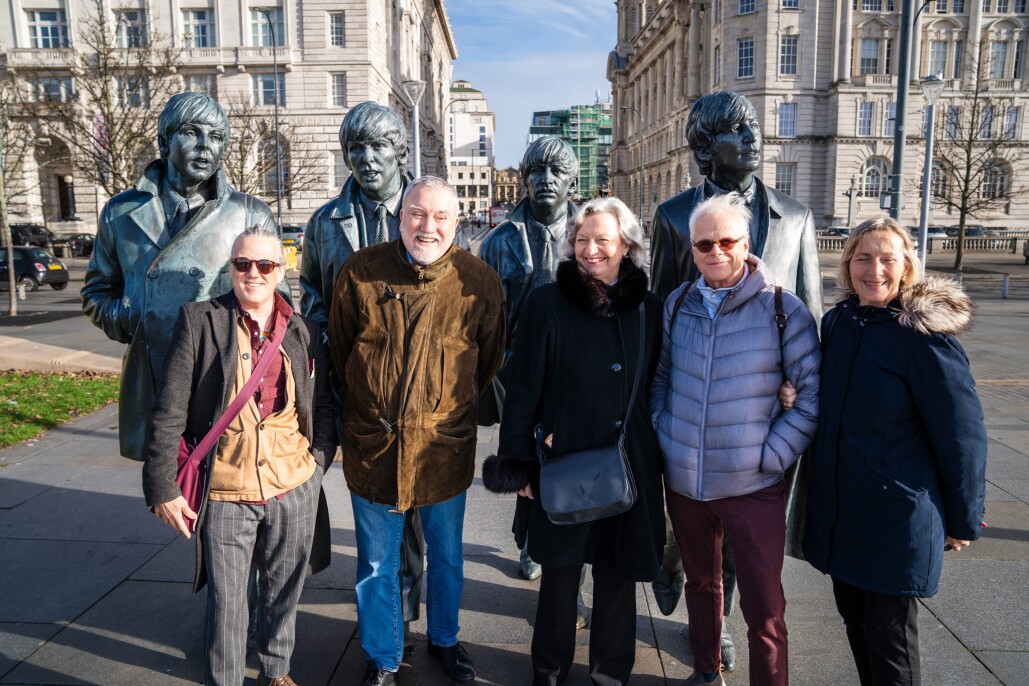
column 414, row 348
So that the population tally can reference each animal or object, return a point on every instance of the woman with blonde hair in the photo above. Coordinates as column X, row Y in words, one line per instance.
column 898, row 474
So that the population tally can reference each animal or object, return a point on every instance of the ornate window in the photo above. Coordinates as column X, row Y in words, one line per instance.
column 938, row 180
column 261, row 31
column 784, row 174
column 864, row 123
column 995, row 181
column 889, row 119
column 132, row 28
column 869, row 63
column 265, row 88
column 873, row 179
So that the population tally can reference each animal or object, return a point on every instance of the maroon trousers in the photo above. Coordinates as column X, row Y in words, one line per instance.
column 756, row 523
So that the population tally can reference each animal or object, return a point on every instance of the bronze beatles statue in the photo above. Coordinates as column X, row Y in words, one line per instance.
column 162, row 243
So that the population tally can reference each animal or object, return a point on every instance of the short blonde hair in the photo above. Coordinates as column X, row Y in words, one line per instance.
column 629, row 229
column 912, row 274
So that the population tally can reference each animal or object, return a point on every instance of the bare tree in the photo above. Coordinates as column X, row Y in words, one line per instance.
column 249, row 161
column 102, row 102
column 21, row 143
column 978, row 152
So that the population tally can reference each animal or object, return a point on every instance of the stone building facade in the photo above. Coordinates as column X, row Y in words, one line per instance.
column 507, row 186
column 471, row 127
column 331, row 56
column 822, row 75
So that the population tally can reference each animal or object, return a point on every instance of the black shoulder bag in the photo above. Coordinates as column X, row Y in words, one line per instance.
column 591, row 484
column 798, row 476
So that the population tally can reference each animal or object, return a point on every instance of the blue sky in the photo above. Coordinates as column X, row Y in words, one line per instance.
column 529, row 55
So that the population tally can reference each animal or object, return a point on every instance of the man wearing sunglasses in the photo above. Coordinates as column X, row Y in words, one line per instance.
column 263, row 500
column 162, row 243
column 725, row 138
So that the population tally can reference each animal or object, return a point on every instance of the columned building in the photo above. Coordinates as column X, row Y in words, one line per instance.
column 324, row 58
column 822, row 75
column 507, row 186
column 470, row 127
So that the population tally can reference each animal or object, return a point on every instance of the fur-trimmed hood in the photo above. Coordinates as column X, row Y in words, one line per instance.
column 936, row 304
column 591, row 294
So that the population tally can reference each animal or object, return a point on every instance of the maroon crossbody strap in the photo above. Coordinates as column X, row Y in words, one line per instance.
column 241, row 399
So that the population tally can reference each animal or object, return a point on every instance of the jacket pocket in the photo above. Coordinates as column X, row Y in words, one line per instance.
column 459, row 365
column 230, row 462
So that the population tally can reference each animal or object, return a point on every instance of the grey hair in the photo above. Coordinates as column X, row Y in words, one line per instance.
column 257, row 231
column 731, row 203
column 431, row 183
column 188, row 108
column 629, row 229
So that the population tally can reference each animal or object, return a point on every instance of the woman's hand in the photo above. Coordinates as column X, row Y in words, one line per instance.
column 526, row 492
column 956, row 543
column 787, row 394
column 172, row 512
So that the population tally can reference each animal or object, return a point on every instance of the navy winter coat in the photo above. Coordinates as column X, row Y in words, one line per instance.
column 900, row 455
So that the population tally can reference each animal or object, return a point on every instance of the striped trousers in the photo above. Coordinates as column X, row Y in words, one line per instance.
column 278, row 536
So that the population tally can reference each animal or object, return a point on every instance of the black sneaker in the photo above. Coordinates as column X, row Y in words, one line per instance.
column 455, row 662
column 373, row 676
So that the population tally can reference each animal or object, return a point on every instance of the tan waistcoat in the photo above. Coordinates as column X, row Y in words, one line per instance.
column 260, row 459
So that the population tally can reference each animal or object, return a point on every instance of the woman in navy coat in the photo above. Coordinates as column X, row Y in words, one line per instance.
column 899, row 462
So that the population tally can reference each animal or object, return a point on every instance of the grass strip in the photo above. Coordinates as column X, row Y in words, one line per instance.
column 32, row 403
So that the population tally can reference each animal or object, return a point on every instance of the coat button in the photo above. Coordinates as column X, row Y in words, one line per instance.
column 260, row 427
column 193, row 271
column 246, row 356
column 260, row 463
column 616, row 367
column 152, row 273
column 618, row 424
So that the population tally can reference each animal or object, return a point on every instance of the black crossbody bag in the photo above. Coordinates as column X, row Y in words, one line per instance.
column 587, row 485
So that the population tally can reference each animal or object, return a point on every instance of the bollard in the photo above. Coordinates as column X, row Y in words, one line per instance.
column 1004, row 286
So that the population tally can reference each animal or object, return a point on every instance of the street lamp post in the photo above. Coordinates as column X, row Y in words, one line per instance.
column 932, row 86
column 414, row 90
column 275, row 89
column 637, row 113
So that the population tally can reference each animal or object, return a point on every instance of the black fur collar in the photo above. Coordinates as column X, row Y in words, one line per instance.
column 590, row 294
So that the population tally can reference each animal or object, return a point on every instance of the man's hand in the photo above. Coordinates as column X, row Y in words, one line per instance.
column 787, row 394
column 172, row 512
column 526, row 491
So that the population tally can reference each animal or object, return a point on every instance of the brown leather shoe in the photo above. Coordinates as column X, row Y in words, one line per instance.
column 277, row 681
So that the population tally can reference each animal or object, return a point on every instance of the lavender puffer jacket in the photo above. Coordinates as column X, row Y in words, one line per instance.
column 714, row 400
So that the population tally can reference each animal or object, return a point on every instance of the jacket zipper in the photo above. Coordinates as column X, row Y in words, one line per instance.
column 403, row 384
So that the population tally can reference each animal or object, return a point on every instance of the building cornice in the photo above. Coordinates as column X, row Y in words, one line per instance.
column 444, row 24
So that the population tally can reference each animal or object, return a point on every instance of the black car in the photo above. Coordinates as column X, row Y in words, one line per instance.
column 293, row 235
column 81, row 244
column 34, row 267
column 30, row 234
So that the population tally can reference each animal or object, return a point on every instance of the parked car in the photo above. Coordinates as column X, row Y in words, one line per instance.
column 1025, row 251
column 81, row 244
column 293, row 235
column 34, row 267
column 30, row 234
column 842, row 231
column 971, row 231
column 931, row 232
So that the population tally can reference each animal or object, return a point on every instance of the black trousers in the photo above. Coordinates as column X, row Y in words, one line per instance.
column 412, row 565
column 883, row 635
column 612, row 627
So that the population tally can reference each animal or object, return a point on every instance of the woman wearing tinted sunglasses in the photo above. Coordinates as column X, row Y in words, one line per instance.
column 726, row 437
column 246, row 357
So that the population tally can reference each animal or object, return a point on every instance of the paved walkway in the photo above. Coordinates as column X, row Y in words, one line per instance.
column 96, row 591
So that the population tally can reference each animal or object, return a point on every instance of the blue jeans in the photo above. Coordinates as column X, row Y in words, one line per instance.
column 379, row 534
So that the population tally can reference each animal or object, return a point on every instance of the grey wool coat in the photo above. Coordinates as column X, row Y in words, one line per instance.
column 197, row 389
column 714, row 400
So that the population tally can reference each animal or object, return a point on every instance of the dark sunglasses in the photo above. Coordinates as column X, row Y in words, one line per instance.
column 726, row 244
column 242, row 265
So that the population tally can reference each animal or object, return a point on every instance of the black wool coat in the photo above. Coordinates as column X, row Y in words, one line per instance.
column 574, row 361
